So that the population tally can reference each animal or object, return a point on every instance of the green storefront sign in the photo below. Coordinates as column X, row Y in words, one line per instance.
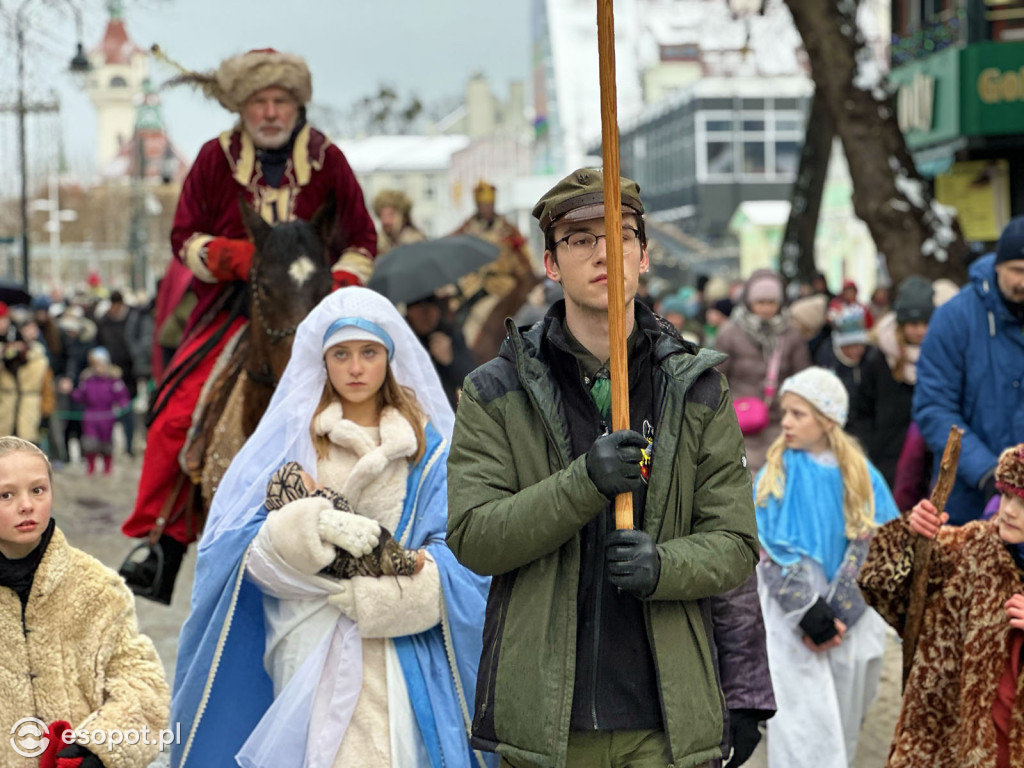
column 928, row 98
column 992, row 89
column 973, row 91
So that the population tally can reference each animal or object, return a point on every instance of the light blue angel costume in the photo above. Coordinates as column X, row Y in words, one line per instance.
column 822, row 696
column 223, row 697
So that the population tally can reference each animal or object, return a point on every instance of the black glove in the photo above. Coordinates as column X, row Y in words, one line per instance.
column 819, row 622
column 744, row 735
column 634, row 564
column 613, row 462
column 77, row 756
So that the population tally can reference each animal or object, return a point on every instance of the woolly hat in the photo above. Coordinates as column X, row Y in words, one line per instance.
column 849, row 326
column 763, row 285
column 716, row 288
column 914, row 302
column 1011, row 242
column 809, row 313
column 239, row 77
column 943, row 290
column 822, row 389
column 392, row 198
column 682, row 302
column 1010, row 471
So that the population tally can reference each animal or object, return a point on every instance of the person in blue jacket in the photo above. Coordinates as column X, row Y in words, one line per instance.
column 971, row 372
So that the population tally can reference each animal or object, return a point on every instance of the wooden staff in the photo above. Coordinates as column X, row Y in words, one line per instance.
column 613, row 225
column 923, row 551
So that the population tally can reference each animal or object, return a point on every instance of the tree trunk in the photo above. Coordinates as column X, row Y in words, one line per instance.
column 916, row 234
column 796, row 259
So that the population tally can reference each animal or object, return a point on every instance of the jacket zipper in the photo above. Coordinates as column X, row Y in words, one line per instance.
column 492, row 672
column 598, row 599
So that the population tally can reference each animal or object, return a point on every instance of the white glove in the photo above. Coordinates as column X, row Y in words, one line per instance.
column 345, row 600
column 354, row 533
column 293, row 531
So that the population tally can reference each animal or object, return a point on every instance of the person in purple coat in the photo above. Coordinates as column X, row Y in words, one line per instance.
column 102, row 395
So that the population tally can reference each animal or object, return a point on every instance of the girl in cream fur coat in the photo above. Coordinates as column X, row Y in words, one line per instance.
column 357, row 669
column 72, row 656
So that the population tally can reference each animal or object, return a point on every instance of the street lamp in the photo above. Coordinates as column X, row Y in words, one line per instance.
column 21, row 108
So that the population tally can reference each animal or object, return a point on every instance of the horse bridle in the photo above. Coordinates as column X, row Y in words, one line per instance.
column 276, row 335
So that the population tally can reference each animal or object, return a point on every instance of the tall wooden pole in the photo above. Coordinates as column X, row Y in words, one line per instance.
column 612, row 225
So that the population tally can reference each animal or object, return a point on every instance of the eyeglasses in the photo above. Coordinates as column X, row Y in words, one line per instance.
column 582, row 244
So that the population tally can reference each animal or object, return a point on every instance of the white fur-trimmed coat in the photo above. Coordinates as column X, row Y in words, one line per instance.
column 79, row 657
column 287, row 553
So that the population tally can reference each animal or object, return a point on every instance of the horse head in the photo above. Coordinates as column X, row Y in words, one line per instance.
column 290, row 274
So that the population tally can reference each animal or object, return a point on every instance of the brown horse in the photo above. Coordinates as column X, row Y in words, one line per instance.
column 290, row 274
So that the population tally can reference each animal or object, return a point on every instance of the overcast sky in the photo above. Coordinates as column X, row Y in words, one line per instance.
column 426, row 47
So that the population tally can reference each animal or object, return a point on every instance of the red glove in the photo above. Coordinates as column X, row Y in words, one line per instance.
column 342, row 278
column 53, row 732
column 228, row 258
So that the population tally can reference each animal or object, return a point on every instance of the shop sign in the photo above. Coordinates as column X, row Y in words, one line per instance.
column 993, row 89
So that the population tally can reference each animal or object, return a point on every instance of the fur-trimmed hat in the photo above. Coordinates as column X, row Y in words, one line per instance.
column 822, row 389
column 392, row 198
column 239, row 77
column 1010, row 471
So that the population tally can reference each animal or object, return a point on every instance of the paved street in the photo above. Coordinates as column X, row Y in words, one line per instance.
column 90, row 510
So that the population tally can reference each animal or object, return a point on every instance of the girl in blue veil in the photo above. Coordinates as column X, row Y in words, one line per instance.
column 280, row 665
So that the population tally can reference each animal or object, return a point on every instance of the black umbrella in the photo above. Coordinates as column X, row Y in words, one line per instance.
column 414, row 271
column 13, row 294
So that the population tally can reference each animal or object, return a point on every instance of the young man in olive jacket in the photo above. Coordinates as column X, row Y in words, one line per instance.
column 598, row 644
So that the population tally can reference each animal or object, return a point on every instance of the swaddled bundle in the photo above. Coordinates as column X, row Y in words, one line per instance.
column 388, row 558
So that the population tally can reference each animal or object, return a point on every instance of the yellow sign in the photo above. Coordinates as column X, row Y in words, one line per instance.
column 995, row 86
column 980, row 192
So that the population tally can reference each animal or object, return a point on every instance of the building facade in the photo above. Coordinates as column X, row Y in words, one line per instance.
column 957, row 71
column 702, row 152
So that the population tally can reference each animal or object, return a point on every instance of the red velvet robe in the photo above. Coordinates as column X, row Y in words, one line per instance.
column 227, row 167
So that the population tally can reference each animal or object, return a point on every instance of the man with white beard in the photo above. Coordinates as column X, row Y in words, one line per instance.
column 285, row 169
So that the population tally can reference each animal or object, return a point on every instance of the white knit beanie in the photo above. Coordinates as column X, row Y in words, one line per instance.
column 822, row 389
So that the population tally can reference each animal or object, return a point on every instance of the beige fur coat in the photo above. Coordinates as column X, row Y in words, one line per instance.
column 79, row 657
column 946, row 721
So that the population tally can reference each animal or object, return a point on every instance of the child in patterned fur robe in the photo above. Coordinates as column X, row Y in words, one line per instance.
column 964, row 700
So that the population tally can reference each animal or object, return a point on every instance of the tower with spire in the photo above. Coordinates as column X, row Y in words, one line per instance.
column 115, row 85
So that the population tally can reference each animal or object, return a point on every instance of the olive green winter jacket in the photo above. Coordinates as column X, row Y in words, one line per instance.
column 516, row 504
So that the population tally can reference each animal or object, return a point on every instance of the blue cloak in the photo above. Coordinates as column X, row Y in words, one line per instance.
column 808, row 520
column 221, row 689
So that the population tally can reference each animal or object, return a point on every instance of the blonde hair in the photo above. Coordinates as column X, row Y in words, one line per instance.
column 11, row 444
column 898, row 367
column 858, row 495
column 391, row 393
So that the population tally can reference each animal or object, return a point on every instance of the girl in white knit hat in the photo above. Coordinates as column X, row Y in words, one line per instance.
column 818, row 501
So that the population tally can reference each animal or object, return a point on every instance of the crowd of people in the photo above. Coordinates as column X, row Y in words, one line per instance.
column 413, row 564
column 72, row 368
